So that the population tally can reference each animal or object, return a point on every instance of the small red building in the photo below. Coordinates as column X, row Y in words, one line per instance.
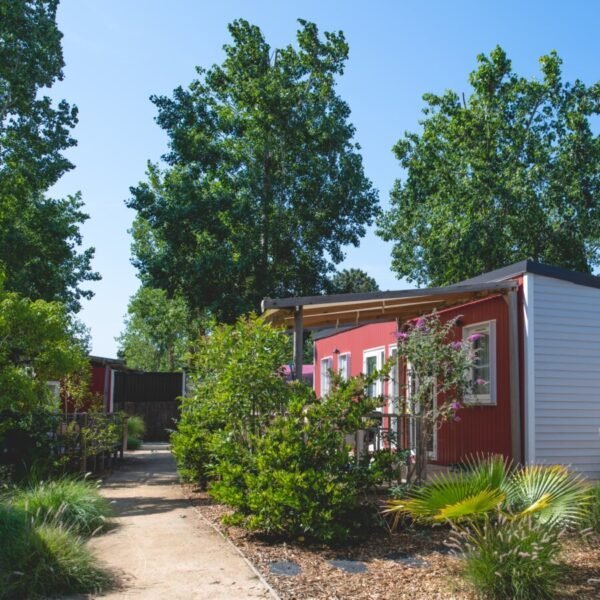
column 539, row 356
column 103, row 379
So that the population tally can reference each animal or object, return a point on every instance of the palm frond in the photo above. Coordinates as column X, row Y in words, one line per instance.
column 550, row 493
column 474, row 506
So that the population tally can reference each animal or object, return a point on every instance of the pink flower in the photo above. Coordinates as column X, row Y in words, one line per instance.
column 456, row 345
column 474, row 337
column 401, row 335
column 420, row 323
column 457, row 419
column 480, row 381
column 456, row 406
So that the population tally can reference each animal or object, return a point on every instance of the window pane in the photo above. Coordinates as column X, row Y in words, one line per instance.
column 343, row 366
column 482, row 346
column 371, row 364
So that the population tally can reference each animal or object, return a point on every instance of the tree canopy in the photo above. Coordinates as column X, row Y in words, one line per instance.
column 39, row 342
column 351, row 281
column 39, row 236
column 159, row 332
column 510, row 172
column 263, row 184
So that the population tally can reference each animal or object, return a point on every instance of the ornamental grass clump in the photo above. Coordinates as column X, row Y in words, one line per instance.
column 72, row 503
column 45, row 560
column 510, row 558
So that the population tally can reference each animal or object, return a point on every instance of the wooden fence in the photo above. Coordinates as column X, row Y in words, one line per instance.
column 152, row 396
column 71, row 442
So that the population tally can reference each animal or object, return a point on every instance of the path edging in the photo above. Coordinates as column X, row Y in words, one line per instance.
column 258, row 574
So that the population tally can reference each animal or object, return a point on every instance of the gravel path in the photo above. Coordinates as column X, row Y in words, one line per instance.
column 161, row 548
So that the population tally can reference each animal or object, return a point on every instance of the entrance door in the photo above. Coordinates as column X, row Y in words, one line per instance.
column 412, row 383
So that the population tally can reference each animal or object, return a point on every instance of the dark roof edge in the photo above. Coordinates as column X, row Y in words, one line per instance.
column 105, row 360
column 290, row 303
column 536, row 268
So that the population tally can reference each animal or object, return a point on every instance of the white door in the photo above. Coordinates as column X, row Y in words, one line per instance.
column 412, row 382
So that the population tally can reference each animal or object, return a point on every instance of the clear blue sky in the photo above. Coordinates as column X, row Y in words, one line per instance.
column 119, row 52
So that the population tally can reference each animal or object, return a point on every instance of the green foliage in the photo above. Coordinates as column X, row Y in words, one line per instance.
column 592, row 518
column 510, row 172
column 136, row 427
column 38, row 235
column 264, row 185
column 38, row 343
column 159, row 331
column 515, row 559
column 44, row 560
column 548, row 494
column 352, row 281
column 237, row 389
column 74, row 504
column 270, row 449
column 302, row 482
column 133, row 443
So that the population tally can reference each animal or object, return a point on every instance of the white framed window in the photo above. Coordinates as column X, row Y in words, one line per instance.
column 344, row 366
column 373, row 361
column 483, row 374
column 326, row 366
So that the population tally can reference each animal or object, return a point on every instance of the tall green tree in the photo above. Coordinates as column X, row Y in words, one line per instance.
column 263, row 184
column 159, row 331
column 352, row 281
column 39, row 341
column 510, row 172
column 39, row 236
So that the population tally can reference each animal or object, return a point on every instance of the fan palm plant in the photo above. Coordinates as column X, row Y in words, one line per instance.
column 550, row 494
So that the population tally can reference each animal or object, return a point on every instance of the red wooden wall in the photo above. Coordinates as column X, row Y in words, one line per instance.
column 482, row 429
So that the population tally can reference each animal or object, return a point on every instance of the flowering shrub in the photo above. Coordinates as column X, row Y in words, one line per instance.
column 438, row 379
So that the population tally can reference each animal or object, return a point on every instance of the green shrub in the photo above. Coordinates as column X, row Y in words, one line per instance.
column 136, row 428
column 511, row 558
column 73, row 503
column 270, row 449
column 133, row 443
column 303, row 483
column 237, row 391
column 42, row 561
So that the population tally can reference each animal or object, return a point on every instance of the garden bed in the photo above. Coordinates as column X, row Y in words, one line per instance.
column 413, row 564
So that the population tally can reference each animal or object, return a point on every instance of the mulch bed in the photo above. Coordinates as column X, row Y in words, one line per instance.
column 410, row 564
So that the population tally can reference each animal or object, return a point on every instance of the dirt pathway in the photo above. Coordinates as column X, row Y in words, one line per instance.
column 161, row 548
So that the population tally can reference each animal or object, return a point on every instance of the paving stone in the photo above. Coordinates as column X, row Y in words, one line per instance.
column 350, row 566
column 285, row 567
column 407, row 559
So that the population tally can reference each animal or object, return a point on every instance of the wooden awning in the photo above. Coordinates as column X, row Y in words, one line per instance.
column 339, row 309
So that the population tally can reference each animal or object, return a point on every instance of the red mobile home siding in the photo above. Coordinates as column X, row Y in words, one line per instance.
column 354, row 342
column 98, row 384
column 482, row 429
